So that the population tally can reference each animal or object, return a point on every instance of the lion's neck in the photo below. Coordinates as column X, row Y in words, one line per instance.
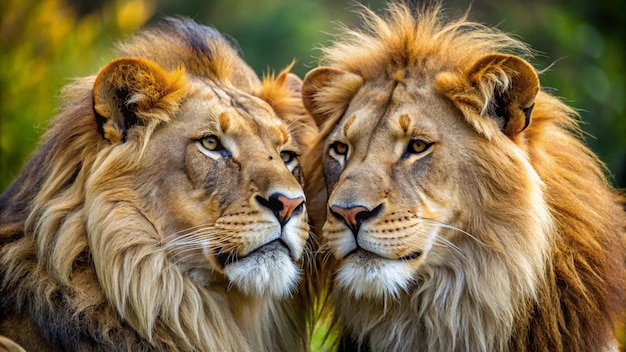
column 248, row 312
column 268, row 323
column 469, row 304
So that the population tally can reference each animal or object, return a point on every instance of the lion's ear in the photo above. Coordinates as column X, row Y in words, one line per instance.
column 286, row 84
column 284, row 94
column 132, row 92
column 501, row 86
column 292, row 81
column 327, row 90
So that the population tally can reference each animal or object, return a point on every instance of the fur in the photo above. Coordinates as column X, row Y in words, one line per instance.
column 500, row 236
column 120, row 233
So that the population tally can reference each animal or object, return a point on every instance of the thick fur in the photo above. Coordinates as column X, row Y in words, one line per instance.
column 145, row 219
column 502, row 234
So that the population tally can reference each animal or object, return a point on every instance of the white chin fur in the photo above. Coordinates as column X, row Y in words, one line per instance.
column 375, row 279
column 266, row 273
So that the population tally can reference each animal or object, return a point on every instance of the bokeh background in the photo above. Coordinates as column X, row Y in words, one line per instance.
column 46, row 43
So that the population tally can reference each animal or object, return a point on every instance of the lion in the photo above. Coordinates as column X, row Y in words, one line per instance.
column 460, row 208
column 164, row 208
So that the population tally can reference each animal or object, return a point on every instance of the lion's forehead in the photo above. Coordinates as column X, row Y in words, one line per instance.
column 397, row 114
column 236, row 113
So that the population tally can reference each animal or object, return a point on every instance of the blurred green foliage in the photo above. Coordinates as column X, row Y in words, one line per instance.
column 582, row 50
column 45, row 43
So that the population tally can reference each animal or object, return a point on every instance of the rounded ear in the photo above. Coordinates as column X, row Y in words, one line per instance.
column 501, row 86
column 293, row 82
column 132, row 92
column 284, row 94
column 327, row 90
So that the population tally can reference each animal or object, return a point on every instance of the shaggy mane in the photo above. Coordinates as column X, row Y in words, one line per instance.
column 47, row 260
column 201, row 50
column 582, row 295
column 419, row 41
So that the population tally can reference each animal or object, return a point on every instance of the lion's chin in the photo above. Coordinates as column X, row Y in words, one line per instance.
column 365, row 275
column 268, row 271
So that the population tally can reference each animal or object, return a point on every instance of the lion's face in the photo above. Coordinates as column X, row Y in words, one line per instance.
column 381, row 162
column 228, row 171
column 413, row 186
column 218, row 180
column 232, row 197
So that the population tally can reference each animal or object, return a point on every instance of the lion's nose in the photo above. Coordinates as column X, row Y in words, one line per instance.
column 282, row 206
column 354, row 216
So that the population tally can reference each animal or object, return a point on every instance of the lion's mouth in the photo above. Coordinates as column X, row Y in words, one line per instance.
column 363, row 254
column 269, row 249
column 411, row 256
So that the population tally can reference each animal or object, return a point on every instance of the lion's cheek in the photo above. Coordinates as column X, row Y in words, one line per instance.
column 295, row 234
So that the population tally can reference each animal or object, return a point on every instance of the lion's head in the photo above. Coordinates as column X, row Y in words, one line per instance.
column 167, row 197
column 458, row 217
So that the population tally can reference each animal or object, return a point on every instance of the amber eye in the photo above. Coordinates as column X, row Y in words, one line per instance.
column 211, row 143
column 287, row 156
column 339, row 148
column 417, row 146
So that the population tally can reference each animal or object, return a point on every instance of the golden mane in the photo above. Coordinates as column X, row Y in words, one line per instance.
column 201, row 50
column 46, row 259
column 409, row 41
column 582, row 295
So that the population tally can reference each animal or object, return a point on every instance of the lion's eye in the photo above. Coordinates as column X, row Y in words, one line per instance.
column 417, row 146
column 288, row 156
column 339, row 148
column 211, row 143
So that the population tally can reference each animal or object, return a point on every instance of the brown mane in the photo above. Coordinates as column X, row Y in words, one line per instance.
column 583, row 295
column 51, row 294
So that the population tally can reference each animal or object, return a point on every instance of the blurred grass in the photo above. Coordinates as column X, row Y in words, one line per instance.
column 321, row 340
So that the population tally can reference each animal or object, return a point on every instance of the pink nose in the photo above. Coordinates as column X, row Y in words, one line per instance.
column 282, row 206
column 289, row 205
column 351, row 216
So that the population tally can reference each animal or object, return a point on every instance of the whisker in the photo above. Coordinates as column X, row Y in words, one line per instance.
column 322, row 249
column 445, row 243
column 306, row 257
column 202, row 233
column 326, row 254
column 181, row 258
column 197, row 238
column 183, row 245
column 313, row 238
column 200, row 242
column 190, row 229
column 185, row 248
column 454, row 228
